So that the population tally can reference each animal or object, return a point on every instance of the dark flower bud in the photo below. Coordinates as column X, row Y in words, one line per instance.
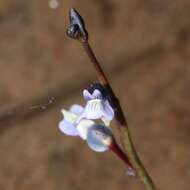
column 76, row 28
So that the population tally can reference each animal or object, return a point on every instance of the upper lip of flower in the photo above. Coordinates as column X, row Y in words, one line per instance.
column 97, row 109
column 95, row 95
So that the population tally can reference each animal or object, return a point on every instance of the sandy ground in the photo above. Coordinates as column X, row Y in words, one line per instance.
column 143, row 47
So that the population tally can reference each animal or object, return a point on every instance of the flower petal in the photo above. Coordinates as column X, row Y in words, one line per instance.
column 99, row 138
column 76, row 109
column 92, row 110
column 87, row 96
column 108, row 112
column 97, row 94
column 97, row 109
column 83, row 127
column 69, row 116
column 68, row 128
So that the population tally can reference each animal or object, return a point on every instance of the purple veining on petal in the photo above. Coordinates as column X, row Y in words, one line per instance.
column 92, row 110
column 97, row 109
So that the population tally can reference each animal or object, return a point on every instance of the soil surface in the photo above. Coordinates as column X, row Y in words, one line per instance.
column 144, row 47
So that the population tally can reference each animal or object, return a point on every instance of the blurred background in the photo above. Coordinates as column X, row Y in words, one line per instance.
column 144, row 47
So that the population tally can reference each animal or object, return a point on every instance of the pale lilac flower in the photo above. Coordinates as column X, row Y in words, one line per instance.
column 98, row 136
column 96, row 107
column 79, row 121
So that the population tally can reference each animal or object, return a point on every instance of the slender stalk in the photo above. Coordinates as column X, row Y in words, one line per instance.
column 117, row 150
column 77, row 30
column 121, row 122
column 100, row 73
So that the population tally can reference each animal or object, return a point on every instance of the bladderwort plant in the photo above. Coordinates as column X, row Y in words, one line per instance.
column 102, row 105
